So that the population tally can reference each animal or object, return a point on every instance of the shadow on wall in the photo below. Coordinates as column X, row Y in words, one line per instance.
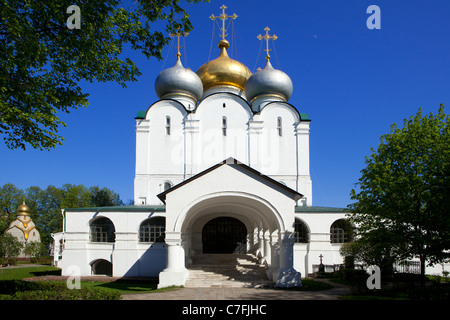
column 151, row 262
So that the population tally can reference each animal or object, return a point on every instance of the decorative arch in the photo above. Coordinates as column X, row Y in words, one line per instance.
column 341, row 231
column 152, row 230
column 166, row 103
column 242, row 204
column 101, row 267
column 101, row 229
column 284, row 105
column 301, row 231
column 244, row 103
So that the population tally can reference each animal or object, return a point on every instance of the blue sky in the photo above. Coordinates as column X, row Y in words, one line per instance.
column 353, row 82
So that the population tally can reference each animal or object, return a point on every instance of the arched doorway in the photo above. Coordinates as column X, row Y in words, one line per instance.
column 224, row 235
column 102, row 267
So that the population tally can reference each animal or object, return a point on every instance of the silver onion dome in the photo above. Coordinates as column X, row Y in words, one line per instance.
column 178, row 81
column 269, row 81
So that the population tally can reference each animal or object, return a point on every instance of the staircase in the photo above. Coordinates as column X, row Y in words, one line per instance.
column 227, row 271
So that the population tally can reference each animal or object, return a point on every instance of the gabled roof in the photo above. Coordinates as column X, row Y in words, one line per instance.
column 229, row 161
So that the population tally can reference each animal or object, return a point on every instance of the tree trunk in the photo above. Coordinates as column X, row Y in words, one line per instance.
column 422, row 270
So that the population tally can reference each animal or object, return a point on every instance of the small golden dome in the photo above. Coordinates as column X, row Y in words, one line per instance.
column 223, row 71
column 23, row 210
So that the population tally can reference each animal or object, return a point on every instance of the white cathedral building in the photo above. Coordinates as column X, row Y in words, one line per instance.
column 222, row 167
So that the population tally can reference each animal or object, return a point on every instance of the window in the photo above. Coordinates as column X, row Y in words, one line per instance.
column 341, row 231
column 279, row 126
column 168, row 125
column 153, row 230
column 301, row 232
column 102, row 230
column 167, row 185
column 224, row 126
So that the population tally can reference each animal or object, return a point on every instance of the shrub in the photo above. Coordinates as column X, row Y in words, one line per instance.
column 29, row 290
column 355, row 278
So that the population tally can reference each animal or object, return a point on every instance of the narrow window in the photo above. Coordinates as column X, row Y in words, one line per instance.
column 167, row 185
column 168, row 125
column 224, row 126
column 224, row 105
column 279, row 127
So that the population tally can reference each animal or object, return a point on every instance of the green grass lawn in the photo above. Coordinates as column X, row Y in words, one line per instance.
column 13, row 278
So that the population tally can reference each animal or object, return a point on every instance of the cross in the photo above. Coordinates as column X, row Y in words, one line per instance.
column 267, row 37
column 321, row 256
column 178, row 35
column 223, row 17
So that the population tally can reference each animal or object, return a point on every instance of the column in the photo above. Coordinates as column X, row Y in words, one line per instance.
column 175, row 274
column 287, row 275
column 272, row 273
column 267, row 251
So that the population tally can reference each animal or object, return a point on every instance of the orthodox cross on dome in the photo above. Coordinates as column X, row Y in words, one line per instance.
column 223, row 17
column 178, row 35
column 267, row 37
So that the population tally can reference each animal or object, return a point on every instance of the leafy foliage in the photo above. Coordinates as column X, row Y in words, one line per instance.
column 403, row 205
column 42, row 61
column 45, row 205
column 9, row 246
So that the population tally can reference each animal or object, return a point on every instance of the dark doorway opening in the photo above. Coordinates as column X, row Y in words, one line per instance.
column 224, row 235
column 102, row 267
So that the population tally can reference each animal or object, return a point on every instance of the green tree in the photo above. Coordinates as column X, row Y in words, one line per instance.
column 104, row 197
column 379, row 247
column 10, row 198
column 9, row 246
column 45, row 205
column 404, row 189
column 35, row 249
column 42, row 61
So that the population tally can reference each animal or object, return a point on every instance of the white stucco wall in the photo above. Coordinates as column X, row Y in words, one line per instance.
column 196, row 142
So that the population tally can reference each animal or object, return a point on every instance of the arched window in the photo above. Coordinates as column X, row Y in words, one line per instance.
column 224, row 126
column 153, row 230
column 168, row 125
column 301, row 232
column 341, row 231
column 102, row 230
column 167, row 185
column 279, row 126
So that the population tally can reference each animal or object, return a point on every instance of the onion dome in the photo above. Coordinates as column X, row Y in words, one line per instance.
column 23, row 210
column 178, row 81
column 269, row 82
column 223, row 71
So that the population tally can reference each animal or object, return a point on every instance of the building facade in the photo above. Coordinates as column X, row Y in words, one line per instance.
column 222, row 166
column 23, row 228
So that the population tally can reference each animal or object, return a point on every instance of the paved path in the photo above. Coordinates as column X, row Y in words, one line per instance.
column 241, row 294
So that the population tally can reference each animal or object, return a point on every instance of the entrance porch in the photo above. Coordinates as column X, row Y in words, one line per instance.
column 256, row 218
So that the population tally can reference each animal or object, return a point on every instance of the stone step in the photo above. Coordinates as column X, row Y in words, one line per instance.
column 228, row 271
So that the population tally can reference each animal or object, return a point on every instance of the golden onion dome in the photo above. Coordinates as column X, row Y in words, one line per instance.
column 223, row 71
column 23, row 210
